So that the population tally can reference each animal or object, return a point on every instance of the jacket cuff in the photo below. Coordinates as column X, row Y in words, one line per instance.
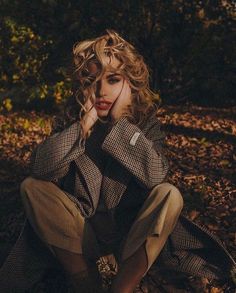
column 127, row 144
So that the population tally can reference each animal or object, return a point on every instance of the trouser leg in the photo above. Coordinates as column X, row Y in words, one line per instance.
column 52, row 214
column 154, row 223
column 59, row 224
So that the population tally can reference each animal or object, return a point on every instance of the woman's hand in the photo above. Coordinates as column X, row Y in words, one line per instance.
column 122, row 102
column 89, row 118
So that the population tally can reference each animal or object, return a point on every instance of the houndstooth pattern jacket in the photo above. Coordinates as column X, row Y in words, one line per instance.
column 132, row 152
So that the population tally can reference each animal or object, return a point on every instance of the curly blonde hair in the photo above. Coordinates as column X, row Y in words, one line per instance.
column 131, row 66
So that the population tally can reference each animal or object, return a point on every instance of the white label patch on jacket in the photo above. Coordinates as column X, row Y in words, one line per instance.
column 134, row 138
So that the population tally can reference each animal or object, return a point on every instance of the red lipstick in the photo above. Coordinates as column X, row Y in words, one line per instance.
column 102, row 104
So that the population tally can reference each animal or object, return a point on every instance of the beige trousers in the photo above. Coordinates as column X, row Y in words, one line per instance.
column 58, row 222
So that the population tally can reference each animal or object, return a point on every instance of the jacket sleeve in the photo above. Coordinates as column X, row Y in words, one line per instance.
column 141, row 154
column 51, row 159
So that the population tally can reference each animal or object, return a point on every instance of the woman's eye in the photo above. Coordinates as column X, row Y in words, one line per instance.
column 113, row 80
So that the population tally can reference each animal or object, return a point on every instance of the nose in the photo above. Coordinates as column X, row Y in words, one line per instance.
column 99, row 89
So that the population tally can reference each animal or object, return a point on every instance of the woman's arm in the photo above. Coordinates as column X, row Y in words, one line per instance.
column 141, row 154
column 50, row 160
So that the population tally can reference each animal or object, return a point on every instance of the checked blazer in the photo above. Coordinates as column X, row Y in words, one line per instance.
column 130, row 152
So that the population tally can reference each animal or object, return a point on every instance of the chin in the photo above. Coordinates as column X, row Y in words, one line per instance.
column 102, row 113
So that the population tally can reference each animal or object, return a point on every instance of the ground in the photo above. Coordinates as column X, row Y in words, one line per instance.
column 200, row 147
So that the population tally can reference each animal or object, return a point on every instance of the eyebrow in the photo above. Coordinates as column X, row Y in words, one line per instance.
column 113, row 75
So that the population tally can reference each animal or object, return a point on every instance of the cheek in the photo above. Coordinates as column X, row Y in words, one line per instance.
column 115, row 90
column 129, row 91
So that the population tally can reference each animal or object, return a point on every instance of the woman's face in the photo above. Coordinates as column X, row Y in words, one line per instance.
column 109, row 88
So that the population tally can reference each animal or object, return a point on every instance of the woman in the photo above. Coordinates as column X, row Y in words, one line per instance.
column 113, row 85
column 97, row 183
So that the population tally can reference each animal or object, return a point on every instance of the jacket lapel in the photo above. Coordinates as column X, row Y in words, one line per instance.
column 114, row 183
column 92, row 176
column 111, row 185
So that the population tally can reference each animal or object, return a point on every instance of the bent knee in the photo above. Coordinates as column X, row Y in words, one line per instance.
column 28, row 184
column 30, row 187
column 175, row 197
column 173, row 193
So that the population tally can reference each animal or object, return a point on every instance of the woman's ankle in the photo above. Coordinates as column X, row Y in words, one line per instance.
column 88, row 281
column 73, row 263
column 131, row 272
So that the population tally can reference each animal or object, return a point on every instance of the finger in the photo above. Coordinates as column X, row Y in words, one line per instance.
column 88, row 105
column 125, row 89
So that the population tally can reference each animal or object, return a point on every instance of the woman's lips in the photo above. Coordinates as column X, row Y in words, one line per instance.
column 103, row 105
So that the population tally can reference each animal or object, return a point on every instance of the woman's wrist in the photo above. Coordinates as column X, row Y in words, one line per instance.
column 93, row 118
column 87, row 123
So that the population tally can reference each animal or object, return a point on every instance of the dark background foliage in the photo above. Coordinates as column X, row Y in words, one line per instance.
column 188, row 46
